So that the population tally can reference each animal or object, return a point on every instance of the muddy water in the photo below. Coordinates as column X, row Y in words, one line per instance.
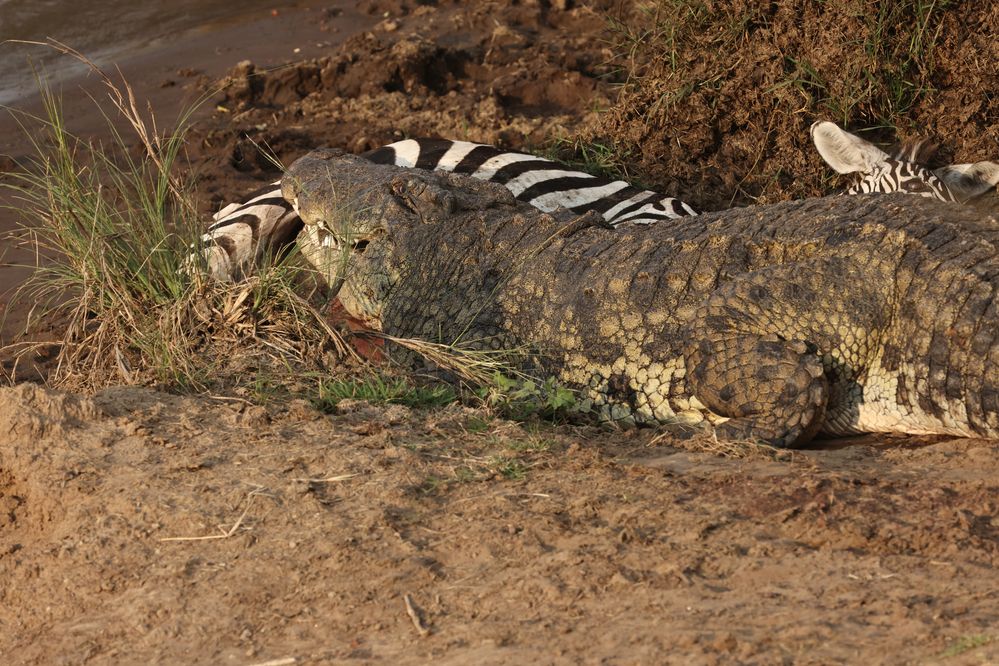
column 104, row 30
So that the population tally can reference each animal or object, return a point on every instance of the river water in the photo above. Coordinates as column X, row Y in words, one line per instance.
column 104, row 30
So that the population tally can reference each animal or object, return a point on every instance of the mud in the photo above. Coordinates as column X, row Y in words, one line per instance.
column 142, row 527
column 511, row 74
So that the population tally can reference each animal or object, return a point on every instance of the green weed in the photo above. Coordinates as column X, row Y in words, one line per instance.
column 377, row 389
column 475, row 424
column 118, row 239
column 601, row 159
column 889, row 72
column 521, row 398
column 511, row 469
column 532, row 445
column 966, row 643
column 464, row 475
column 432, row 485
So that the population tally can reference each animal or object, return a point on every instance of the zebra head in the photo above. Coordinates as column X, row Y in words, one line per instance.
column 902, row 171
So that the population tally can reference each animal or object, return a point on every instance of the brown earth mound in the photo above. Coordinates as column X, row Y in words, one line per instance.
column 723, row 93
column 510, row 74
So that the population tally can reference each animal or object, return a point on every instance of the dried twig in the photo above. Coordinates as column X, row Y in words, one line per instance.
column 708, row 442
column 329, row 479
column 477, row 497
column 474, row 365
column 284, row 661
column 414, row 615
column 227, row 533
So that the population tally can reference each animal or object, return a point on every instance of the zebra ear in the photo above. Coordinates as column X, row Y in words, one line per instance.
column 845, row 152
column 968, row 181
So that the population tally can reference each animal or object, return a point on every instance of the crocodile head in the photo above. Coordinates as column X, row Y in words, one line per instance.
column 416, row 253
column 361, row 225
column 346, row 235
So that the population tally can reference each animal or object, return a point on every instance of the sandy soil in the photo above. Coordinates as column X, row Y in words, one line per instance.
column 142, row 527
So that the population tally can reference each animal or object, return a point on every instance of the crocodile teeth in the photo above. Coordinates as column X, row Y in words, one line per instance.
column 329, row 240
column 326, row 238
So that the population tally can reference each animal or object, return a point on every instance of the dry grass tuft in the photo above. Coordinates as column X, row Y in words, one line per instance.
column 477, row 366
column 115, row 235
column 704, row 442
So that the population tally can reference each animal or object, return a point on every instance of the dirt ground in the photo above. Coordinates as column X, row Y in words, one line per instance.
column 138, row 526
column 141, row 527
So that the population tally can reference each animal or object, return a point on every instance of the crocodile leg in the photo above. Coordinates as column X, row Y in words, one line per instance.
column 777, row 354
column 771, row 389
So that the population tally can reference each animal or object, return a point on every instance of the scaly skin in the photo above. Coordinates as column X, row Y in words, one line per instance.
column 840, row 315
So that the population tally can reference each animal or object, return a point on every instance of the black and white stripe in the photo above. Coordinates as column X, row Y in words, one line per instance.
column 543, row 183
column 899, row 175
column 241, row 233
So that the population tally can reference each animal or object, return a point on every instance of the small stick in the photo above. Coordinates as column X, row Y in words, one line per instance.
column 228, row 533
column 414, row 615
column 278, row 662
column 329, row 479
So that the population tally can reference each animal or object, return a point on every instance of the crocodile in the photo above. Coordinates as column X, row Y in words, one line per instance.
column 837, row 315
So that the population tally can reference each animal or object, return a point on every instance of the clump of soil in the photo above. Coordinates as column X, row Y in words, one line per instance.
column 723, row 93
